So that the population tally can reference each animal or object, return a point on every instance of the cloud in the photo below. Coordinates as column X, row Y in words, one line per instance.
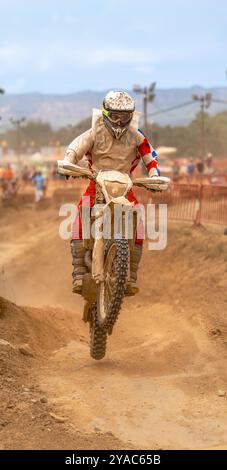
column 28, row 60
column 57, row 18
column 17, row 86
column 144, row 69
column 11, row 56
column 71, row 20
column 58, row 55
column 44, row 59
column 115, row 54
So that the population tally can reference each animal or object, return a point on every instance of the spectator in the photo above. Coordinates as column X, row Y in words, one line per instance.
column 200, row 167
column 39, row 186
column 8, row 173
column 9, row 189
column 209, row 163
column 1, row 173
column 191, row 168
column 25, row 174
column 176, row 170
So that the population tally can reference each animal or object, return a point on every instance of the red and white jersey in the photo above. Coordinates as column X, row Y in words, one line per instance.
column 104, row 152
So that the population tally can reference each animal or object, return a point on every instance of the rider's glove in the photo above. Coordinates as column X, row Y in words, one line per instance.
column 153, row 172
column 69, row 176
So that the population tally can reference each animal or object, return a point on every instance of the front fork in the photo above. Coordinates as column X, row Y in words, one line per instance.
column 97, row 267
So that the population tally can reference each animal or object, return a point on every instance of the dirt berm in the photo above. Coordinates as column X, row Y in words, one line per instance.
column 163, row 383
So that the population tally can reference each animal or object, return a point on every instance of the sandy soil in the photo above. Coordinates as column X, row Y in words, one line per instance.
column 163, row 383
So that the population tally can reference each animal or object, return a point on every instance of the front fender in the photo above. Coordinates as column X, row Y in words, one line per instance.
column 121, row 200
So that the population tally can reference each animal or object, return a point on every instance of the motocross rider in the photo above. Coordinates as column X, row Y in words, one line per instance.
column 112, row 143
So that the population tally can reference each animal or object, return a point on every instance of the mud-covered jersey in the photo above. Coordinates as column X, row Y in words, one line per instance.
column 104, row 152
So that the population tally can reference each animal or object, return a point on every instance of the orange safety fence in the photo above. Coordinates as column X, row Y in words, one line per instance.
column 195, row 203
column 213, row 206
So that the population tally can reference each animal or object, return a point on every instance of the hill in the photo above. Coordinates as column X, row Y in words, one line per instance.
column 61, row 110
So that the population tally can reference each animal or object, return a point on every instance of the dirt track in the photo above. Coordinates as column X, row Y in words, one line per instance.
column 160, row 383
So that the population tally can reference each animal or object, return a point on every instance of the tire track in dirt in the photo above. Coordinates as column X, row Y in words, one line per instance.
column 158, row 385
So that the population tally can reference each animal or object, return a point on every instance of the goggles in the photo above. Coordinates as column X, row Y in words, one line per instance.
column 121, row 118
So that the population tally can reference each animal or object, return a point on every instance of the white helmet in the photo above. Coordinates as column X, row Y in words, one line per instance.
column 118, row 108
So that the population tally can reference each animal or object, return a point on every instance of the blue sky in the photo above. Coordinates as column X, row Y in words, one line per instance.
column 62, row 47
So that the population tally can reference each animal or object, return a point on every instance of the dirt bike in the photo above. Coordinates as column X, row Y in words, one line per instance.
column 107, row 259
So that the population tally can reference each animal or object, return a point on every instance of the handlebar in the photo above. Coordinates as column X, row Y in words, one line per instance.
column 154, row 183
column 69, row 169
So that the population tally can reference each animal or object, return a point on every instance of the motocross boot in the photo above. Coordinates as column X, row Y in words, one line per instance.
column 135, row 257
column 79, row 268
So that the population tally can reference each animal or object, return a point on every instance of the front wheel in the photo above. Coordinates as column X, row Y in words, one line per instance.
column 98, row 336
column 110, row 292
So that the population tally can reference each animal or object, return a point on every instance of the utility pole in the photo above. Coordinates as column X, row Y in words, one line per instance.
column 17, row 123
column 148, row 96
column 205, row 101
column 2, row 92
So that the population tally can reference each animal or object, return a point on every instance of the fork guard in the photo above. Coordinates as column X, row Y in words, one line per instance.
column 98, row 260
column 89, row 289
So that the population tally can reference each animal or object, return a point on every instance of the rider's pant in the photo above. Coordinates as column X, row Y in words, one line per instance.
column 88, row 200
